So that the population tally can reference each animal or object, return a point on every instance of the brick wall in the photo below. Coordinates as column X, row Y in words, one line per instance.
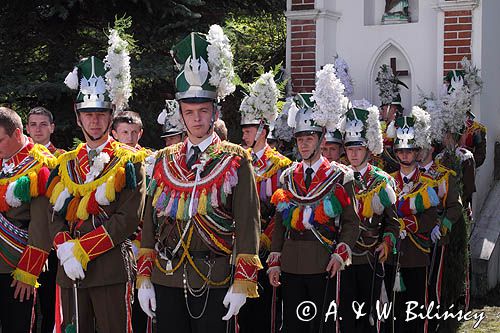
column 302, row 4
column 303, row 55
column 457, row 38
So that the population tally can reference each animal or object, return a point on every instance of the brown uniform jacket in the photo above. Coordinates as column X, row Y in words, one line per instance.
column 415, row 247
column 450, row 206
column 379, row 227
column 301, row 252
column 116, row 263
column 23, row 210
column 240, row 213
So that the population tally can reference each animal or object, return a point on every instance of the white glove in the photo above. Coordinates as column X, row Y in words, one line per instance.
column 235, row 301
column 147, row 298
column 436, row 234
column 65, row 251
column 73, row 269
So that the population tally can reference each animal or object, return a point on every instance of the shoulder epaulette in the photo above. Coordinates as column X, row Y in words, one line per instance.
column 43, row 155
column 348, row 173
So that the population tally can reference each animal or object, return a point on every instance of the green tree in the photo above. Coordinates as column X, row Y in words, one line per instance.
column 41, row 41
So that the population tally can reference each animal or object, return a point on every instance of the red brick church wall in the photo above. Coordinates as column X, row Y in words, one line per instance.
column 457, row 38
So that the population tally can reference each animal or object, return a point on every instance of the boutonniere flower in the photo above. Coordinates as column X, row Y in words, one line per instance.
column 98, row 165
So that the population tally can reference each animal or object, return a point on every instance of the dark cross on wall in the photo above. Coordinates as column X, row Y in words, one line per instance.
column 397, row 72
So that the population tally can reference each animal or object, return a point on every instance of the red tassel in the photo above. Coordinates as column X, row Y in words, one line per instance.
column 342, row 196
column 93, row 206
column 43, row 176
column 300, row 225
column 405, row 208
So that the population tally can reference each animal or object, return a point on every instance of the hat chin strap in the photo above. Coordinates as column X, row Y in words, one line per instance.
column 258, row 134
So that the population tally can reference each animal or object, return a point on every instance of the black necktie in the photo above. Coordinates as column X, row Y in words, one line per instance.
column 309, row 172
column 194, row 157
column 406, row 180
column 422, row 169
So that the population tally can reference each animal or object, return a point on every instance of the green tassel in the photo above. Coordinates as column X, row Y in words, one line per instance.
column 52, row 175
column 419, row 203
column 22, row 189
column 447, row 223
column 337, row 207
column 399, row 285
column 152, row 187
column 384, row 198
column 131, row 181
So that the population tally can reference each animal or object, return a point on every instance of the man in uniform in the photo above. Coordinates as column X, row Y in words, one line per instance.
column 442, row 277
column 407, row 275
column 127, row 128
column 379, row 225
column 201, row 229
column 332, row 148
column 267, row 164
column 23, row 176
column 316, row 224
column 97, row 195
column 40, row 127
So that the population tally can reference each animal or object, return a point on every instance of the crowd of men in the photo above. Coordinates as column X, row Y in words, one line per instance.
column 208, row 236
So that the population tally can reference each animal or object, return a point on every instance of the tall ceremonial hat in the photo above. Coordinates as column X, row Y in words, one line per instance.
column 105, row 85
column 282, row 131
column 260, row 105
column 362, row 127
column 205, row 64
column 323, row 109
column 412, row 131
column 170, row 119
column 388, row 85
column 334, row 137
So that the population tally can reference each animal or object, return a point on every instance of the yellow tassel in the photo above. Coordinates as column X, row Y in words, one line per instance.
column 25, row 277
column 245, row 287
column 159, row 189
column 56, row 192
column 120, row 179
column 33, row 184
column 82, row 212
column 367, row 206
column 110, row 189
column 202, row 203
column 80, row 254
column 180, row 208
column 295, row 218
column 425, row 198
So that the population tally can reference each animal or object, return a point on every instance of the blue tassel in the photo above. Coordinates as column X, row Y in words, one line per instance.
column 64, row 208
column 282, row 206
column 131, row 180
column 173, row 212
column 433, row 197
column 327, row 206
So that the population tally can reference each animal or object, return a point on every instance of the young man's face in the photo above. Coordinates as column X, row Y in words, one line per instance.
column 331, row 151
column 96, row 124
column 172, row 140
column 356, row 155
column 407, row 157
column 129, row 134
column 249, row 133
column 306, row 144
column 197, row 118
column 10, row 144
column 40, row 128
column 425, row 155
